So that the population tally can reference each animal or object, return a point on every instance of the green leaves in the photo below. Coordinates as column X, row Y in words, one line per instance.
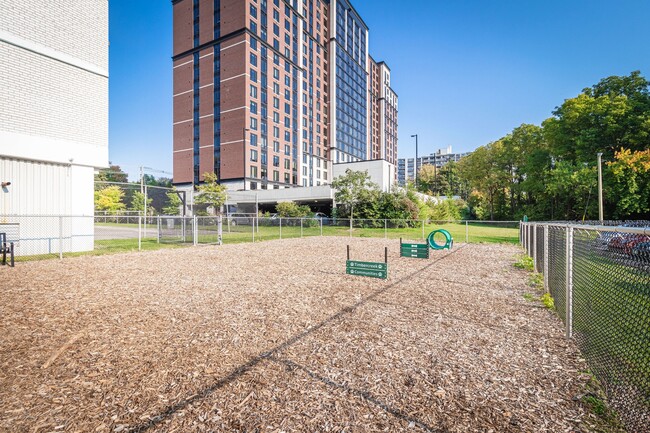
column 549, row 172
column 109, row 199
column 211, row 193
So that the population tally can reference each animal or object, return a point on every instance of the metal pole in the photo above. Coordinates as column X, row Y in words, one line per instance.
column 569, row 282
column 144, row 211
column 61, row 237
column 321, row 226
column 159, row 229
column 220, row 230
column 350, row 225
column 534, row 247
column 139, row 233
column 301, row 227
column 195, row 232
column 280, row 227
column 253, row 229
column 600, row 188
column 467, row 232
column 546, row 258
column 385, row 229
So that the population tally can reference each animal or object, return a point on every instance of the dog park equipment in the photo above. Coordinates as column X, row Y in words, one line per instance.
column 367, row 269
column 432, row 241
column 6, row 248
column 419, row 251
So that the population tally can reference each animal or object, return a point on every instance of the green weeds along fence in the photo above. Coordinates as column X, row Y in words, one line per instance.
column 599, row 278
column 39, row 236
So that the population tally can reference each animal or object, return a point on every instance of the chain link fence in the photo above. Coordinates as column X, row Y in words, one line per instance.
column 599, row 278
column 53, row 236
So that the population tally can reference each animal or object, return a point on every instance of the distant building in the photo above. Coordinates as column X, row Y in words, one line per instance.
column 271, row 94
column 406, row 166
column 53, row 113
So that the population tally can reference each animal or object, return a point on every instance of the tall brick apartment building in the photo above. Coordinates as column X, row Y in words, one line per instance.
column 270, row 93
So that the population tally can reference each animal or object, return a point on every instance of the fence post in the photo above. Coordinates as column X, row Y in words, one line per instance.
column 195, row 232
column 253, row 229
column 535, row 247
column 280, row 227
column 569, row 282
column 61, row 237
column 159, row 229
column 385, row 229
column 220, row 230
column 321, row 226
column 301, row 227
column 545, row 270
column 139, row 233
column 467, row 232
column 350, row 225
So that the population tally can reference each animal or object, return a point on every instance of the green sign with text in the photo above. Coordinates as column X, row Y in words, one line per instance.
column 419, row 251
column 367, row 269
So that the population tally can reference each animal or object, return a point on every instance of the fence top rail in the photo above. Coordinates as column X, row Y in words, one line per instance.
column 599, row 228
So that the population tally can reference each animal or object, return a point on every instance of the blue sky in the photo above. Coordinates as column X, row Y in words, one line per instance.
column 466, row 71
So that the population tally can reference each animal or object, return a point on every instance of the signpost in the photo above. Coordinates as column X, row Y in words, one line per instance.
column 418, row 251
column 367, row 269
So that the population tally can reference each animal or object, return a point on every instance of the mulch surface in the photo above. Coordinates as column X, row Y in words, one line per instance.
column 274, row 336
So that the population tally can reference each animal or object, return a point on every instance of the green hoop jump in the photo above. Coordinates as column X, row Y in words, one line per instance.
column 434, row 245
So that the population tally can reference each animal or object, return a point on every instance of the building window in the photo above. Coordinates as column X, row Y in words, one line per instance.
column 254, row 172
column 253, row 91
column 276, row 161
column 253, row 155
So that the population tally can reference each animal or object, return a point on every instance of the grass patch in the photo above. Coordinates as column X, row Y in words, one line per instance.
column 529, row 297
column 548, row 301
column 602, row 418
column 524, row 262
column 536, row 280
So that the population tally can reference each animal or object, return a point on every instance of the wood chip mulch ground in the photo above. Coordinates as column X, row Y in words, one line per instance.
column 274, row 337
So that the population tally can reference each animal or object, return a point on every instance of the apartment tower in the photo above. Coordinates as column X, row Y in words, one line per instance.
column 270, row 93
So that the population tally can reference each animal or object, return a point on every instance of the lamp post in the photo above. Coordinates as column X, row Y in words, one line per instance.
column 600, row 187
column 416, row 160
column 243, row 146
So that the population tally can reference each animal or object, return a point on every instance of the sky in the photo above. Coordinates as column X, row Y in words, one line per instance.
column 466, row 71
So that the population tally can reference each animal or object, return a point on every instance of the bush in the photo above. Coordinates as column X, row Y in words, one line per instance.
column 289, row 209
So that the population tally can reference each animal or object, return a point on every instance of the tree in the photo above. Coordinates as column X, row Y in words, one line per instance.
column 630, row 174
column 109, row 199
column 427, row 178
column 174, row 203
column 111, row 174
column 211, row 193
column 290, row 209
column 138, row 203
column 351, row 186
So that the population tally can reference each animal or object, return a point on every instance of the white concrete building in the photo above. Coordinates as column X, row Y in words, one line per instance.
column 53, row 115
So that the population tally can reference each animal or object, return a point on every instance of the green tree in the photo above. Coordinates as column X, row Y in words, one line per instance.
column 630, row 181
column 350, row 188
column 111, row 174
column 290, row 209
column 211, row 193
column 109, row 199
column 138, row 203
column 174, row 203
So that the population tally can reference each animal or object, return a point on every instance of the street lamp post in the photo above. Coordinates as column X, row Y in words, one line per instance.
column 416, row 160
column 243, row 145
